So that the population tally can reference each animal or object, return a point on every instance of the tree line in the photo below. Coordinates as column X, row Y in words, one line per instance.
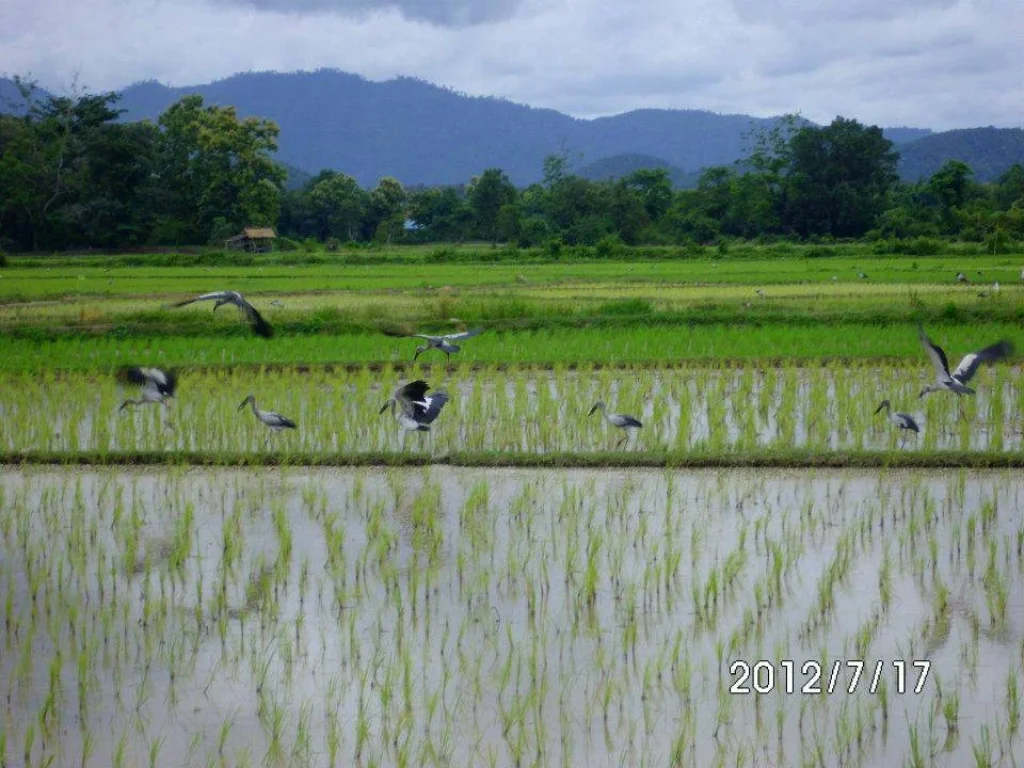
column 73, row 176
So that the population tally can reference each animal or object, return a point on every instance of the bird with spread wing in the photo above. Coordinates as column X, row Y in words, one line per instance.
column 259, row 326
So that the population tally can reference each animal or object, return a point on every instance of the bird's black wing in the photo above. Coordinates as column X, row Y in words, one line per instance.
column 938, row 357
column 413, row 391
column 260, row 326
column 131, row 375
column 970, row 364
column 284, row 421
column 169, row 384
column 631, row 422
column 428, row 409
column 908, row 422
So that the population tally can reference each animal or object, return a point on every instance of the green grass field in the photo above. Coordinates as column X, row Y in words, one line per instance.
column 519, row 586
column 785, row 328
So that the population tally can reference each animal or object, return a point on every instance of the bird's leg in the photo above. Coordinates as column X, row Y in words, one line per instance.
column 960, row 407
column 267, row 441
column 625, row 437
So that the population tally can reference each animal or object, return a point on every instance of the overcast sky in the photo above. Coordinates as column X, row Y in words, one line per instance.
column 931, row 63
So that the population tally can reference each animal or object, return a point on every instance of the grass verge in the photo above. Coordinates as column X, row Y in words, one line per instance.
column 793, row 459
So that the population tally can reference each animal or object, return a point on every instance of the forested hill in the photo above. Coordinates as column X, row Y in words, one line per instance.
column 618, row 166
column 423, row 134
column 988, row 151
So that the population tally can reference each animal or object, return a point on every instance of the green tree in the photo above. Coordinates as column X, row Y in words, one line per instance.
column 214, row 164
column 338, row 204
column 487, row 195
column 653, row 188
column 838, row 178
column 386, row 215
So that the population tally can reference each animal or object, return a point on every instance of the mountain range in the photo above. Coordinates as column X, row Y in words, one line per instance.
column 422, row 133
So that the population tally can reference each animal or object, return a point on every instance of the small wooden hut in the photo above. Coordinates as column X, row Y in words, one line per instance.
column 252, row 239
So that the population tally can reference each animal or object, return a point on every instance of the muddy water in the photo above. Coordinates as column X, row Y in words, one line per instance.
column 473, row 617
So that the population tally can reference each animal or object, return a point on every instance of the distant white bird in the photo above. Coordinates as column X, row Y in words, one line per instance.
column 862, row 276
column 443, row 343
column 957, row 380
column 759, row 292
column 620, row 420
column 903, row 421
column 961, row 278
column 275, row 421
column 259, row 326
column 413, row 408
column 157, row 385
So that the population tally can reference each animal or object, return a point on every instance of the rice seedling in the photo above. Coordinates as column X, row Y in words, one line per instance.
column 456, row 612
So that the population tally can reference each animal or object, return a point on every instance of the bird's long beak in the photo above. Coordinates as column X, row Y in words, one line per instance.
column 384, row 408
column 592, row 411
column 922, row 393
column 242, row 405
column 878, row 409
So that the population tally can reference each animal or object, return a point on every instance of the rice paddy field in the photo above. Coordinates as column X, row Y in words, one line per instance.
column 767, row 573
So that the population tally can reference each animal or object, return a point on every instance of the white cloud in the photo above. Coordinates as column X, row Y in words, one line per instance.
column 934, row 63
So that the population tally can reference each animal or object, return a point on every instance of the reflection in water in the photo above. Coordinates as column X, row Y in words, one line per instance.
column 475, row 617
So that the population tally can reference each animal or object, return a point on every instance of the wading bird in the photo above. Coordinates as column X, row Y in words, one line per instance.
column 957, row 381
column 443, row 343
column 620, row 420
column 259, row 326
column 903, row 421
column 157, row 385
column 275, row 421
column 413, row 408
column 961, row 278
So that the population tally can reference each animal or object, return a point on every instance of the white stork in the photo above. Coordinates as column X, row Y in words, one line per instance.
column 903, row 421
column 275, row 421
column 157, row 385
column 259, row 326
column 620, row 420
column 443, row 343
column 413, row 408
column 957, row 381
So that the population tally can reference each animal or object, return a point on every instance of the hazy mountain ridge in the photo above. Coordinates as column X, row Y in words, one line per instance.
column 988, row 151
column 422, row 133
column 617, row 166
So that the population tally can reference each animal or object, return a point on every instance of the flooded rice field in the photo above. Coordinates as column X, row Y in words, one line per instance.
column 442, row 616
column 829, row 408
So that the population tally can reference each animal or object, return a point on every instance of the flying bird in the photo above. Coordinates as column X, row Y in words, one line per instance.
column 443, row 343
column 157, row 385
column 957, row 380
column 275, row 421
column 259, row 326
column 413, row 408
column 903, row 421
column 620, row 420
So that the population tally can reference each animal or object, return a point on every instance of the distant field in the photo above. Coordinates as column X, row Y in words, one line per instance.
column 611, row 311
